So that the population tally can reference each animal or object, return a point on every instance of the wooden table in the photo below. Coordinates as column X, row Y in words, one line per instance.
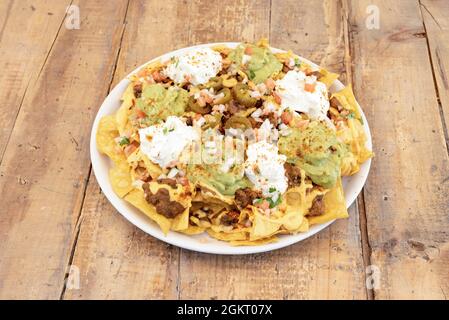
column 53, row 214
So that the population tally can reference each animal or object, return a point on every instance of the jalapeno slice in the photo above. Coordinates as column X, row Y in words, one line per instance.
column 195, row 107
column 212, row 123
column 226, row 96
column 215, row 82
column 241, row 94
column 238, row 122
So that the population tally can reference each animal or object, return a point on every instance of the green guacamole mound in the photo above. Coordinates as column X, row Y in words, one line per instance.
column 159, row 103
column 316, row 150
column 262, row 64
column 227, row 183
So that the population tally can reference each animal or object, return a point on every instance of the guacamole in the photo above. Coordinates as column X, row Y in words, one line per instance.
column 261, row 65
column 227, row 183
column 159, row 103
column 316, row 150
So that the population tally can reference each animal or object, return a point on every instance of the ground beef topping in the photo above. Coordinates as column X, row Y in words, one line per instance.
column 317, row 208
column 161, row 200
column 137, row 90
column 230, row 218
column 245, row 196
column 168, row 181
column 293, row 174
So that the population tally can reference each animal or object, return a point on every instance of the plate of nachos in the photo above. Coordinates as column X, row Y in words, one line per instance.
column 231, row 148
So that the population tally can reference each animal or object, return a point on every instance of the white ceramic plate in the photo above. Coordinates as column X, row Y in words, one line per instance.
column 202, row 243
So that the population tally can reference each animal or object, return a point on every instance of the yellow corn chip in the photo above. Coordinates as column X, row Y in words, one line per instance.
column 137, row 199
column 334, row 205
column 120, row 178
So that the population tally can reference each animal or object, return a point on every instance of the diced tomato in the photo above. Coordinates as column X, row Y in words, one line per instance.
column 140, row 114
column 207, row 98
column 184, row 181
column 188, row 78
column 270, row 83
column 264, row 205
column 157, row 76
column 286, row 117
column 309, row 87
column 142, row 73
column 277, row 98
column 130, row 148
column 249, row 51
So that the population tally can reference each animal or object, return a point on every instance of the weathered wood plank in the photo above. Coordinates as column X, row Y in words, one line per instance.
column 407, row 194
column 46, row 162
column 328, row 265
column 27, row 31
column 436, row 25
column 116, row 260
column 144, row 267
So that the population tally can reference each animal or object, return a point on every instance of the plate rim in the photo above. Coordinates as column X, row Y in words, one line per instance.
column 152, row 229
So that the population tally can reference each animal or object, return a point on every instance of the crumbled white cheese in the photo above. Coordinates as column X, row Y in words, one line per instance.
column 196, row 66
column 264, row 167
column 164, row 143
column 291, row 90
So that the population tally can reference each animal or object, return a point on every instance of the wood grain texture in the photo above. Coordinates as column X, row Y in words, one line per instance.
column 328, row 265
column 46, row 162
column 148, row 275
column 436, row 23
column 407, row 194
column 27, row 31
column 54, row 215
column 116, row 260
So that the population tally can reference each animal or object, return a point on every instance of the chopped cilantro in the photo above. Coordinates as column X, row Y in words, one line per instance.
column 258, row 201
column 272, row 189
column 297, row 62
column 351, row 115
column 274, row 203
column 123, row 141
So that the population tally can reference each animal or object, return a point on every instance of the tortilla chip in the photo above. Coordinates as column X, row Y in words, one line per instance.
column 304, row 227
column 334, row 206
column 349, row 165
column 181, row 221
column 347, row 100
column 122, row 114
column 106, row 134
column 192, row 230
column 153, row 169
column 147, row 70
column 210, row 194
column 328, row 78
column 263, row 226
column 292, row 220
column 120, row 178
column 353, row 135
column 136, row 198
column 234, row 236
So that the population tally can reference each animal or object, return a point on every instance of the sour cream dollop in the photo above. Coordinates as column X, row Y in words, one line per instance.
column 196, row 66
column 164, row 143
column 291, row 90
column 264, row 167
